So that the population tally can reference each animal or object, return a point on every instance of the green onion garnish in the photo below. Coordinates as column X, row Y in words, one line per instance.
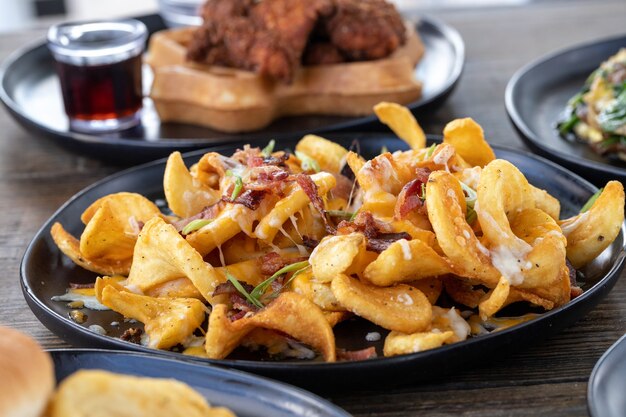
column 384, row 149
column 308, row 163
column 341, row 213
column 470, row 215
column 238, row 185
column 267, row 151
column 260, row 289
column 567, row 125
column 592, row 200
column 354, row 215
column 471, row 197
column 194, row 225
column 430, row 151
column 255, row 302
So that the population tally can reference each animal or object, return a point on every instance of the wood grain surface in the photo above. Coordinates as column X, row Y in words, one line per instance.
column 549, row 378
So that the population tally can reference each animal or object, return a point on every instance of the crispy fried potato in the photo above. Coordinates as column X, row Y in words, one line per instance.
column 447, row 327
column 290, row 313
column 495, row 300
column 462, row 291
column 589, row 233
column 402, row 122
column 335, row 255
column 431, row 287
column 446, row 207
column 468, row 140
column 70, row 246
column 504, row 203
column 402, row 307
column 124, row 205
column 405, row 261
column 167, row 321
column 100, row 393
column 328, row 154
column 444, row 158
column 318, row 292
column 185, row 195
column 162, row 254
column 292, row 203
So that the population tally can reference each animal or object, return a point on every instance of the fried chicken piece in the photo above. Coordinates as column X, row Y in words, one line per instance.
column 365, row 29
column 267, row 37
column 322, row 53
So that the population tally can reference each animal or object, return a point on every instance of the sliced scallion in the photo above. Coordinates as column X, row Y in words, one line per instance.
column 308, row 163
column 267, row 151
column 260, row 289
column 194, row 225
column 592, row 200
column 255, row 302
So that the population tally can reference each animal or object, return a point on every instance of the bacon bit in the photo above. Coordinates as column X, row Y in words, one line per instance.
column 575, row 290
column 244, row 156
column 76, row 286
column 379, row 244
column 310, row 188
column 132, row 335
column 356, row 355
column 206, row 213
column 135, row 224
column 343, row 187
column 310, row 242
column 272, row 262
column 226, row 288
column 411, row 197
column 241, row 304
column 249, row 198
column 238, row 315
column 268, row 177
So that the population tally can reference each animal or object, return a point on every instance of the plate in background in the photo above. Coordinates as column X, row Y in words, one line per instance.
column 29, row 89
column 46, row 272
column 246, row 395
column 537, row 95
column 607, row 383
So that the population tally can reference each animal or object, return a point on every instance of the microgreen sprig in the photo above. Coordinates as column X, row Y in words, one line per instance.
column 267, row 151
column 591, row 200
column 238, row 185
column 430, row 150
column 260, row 289
column 308, row 163
column 255, row 302
column 194, row 225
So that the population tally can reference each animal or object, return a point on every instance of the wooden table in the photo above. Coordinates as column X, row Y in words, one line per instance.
column 549, row 378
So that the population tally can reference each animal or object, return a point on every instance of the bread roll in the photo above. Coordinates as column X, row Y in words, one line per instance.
column 26, row 375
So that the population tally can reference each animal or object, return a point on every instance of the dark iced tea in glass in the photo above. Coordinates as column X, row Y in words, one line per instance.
column 99, row 69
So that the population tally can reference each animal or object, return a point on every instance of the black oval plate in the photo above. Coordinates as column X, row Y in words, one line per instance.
column 29, row 88
column 246, row 395
column 607, row 383
column 46, row 272
column 537, row 94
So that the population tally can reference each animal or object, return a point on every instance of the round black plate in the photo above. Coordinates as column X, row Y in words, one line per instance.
column 246, row 395
column 537, row 94
column 607, row 383
column 30, row 90
column 46, row 272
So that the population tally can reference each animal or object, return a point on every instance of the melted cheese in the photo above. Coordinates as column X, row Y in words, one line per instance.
column 406, row 249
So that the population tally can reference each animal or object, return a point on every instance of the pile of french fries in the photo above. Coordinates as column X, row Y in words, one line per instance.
column 449, row 218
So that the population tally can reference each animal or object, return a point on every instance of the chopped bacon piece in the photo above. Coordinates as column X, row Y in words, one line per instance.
column 575, row 290
column 267, row 177
column 132, row 335
column 383, row 241
column 412, row 196
column 308, row 186
column 206, row 213
column 344, row 187
column 249, row 198
column 309, row 242
column 356, row 355
column 273, row 262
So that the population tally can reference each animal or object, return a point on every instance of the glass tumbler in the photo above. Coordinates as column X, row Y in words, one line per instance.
column 99, row 67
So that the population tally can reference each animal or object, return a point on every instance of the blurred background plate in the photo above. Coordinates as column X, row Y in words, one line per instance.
column 46, row 272
column 537, row 94
column 246, row 395
column 607, row 383
column 29, row 88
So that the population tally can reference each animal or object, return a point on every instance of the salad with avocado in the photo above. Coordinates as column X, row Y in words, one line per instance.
column 597, row 114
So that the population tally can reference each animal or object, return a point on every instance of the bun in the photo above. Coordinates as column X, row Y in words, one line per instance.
column 233, row 100
column 26, row 375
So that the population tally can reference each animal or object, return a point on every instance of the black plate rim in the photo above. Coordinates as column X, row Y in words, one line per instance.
column 302, row 396
column 449, row 33
column 528, row 135
column 593, row 387
column 607, row 282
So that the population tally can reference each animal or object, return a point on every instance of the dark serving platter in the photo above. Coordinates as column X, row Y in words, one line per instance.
column 607, row 383
column 46, row 272
column 537, row 94
column 246, row 395
column 29, row 88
